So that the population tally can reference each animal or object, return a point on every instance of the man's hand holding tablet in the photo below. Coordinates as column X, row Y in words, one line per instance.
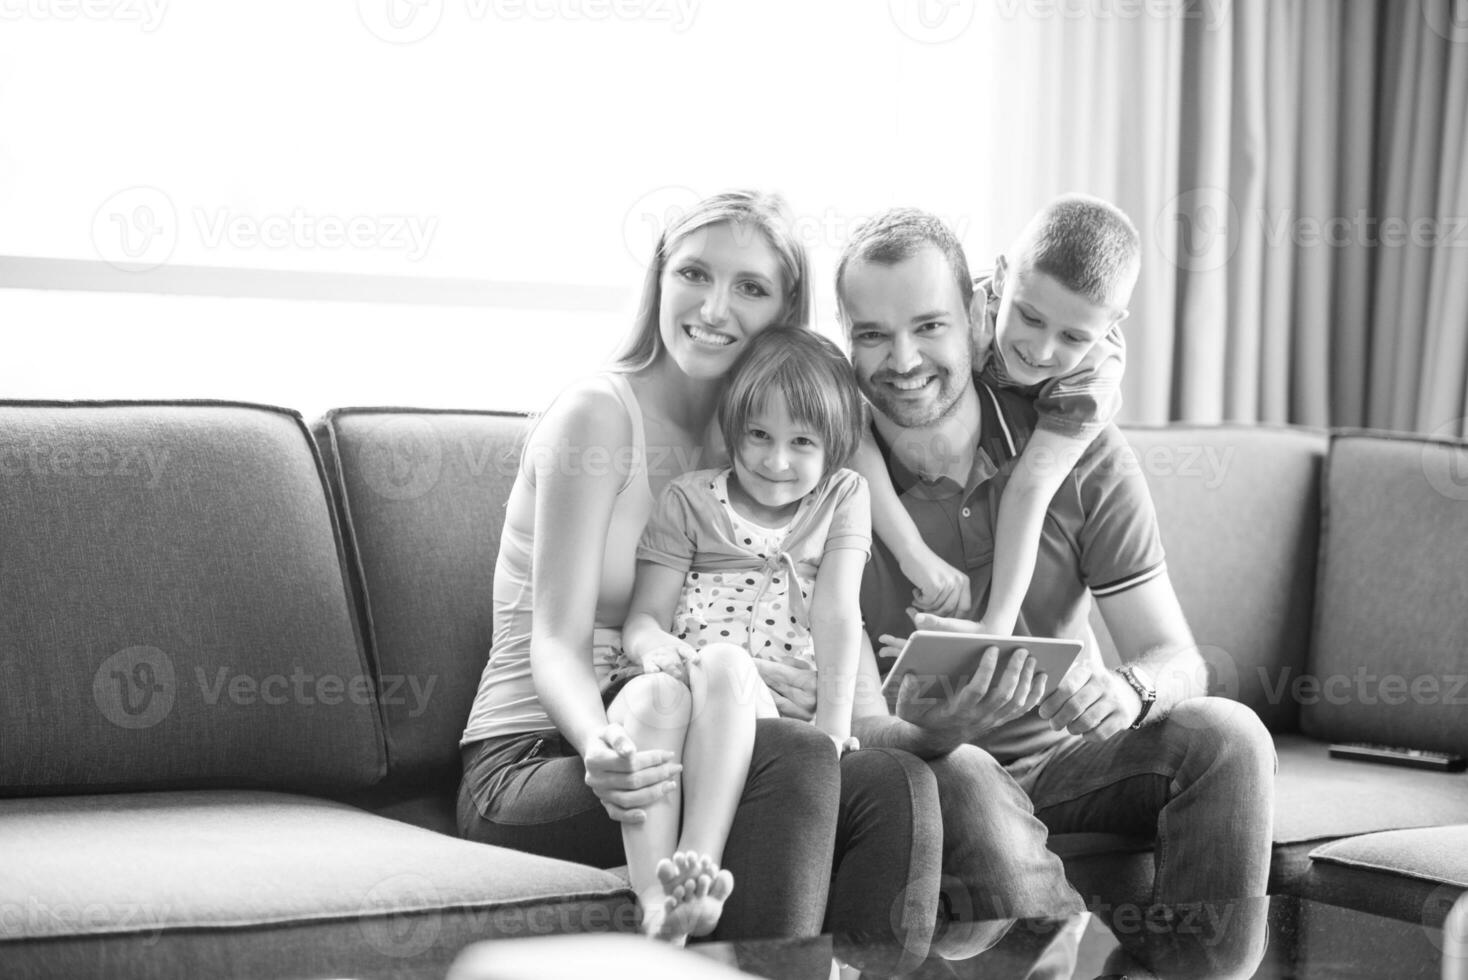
column 948, row 680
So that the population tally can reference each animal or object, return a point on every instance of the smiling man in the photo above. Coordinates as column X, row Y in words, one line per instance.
column 1135, row 750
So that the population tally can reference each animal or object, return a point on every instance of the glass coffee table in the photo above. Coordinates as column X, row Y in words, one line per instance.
column 1276, row 937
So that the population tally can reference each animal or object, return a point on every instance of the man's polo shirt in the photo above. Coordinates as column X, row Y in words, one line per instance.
column 1100, row 538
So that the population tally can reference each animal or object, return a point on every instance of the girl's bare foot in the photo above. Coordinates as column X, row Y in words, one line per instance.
column 694, row 890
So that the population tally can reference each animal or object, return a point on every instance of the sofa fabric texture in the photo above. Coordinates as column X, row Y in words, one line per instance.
column 237, row 662
column 173, row 605
column 1239, row 518
column 160, row 862
column 424, row 494
column 1390, row 645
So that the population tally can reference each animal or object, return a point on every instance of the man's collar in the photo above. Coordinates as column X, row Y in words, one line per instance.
column 994, row 445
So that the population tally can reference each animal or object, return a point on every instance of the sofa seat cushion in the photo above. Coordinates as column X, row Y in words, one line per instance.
column 1408, row 874
column 153, row 863
column 1320, row 798
column 1434, row 854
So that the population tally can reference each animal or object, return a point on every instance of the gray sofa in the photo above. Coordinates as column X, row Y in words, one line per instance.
column 238, row 654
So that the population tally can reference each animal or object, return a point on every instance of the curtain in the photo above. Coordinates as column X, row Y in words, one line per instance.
column 1298, row 170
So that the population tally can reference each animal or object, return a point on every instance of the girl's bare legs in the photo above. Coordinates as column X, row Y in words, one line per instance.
column 710, row 727
column 654, row 710
column 716, row 756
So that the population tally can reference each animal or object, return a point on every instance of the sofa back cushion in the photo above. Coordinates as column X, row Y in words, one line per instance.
column 1390, row 656
column 424, row 497
column 1239, row 510
column 174, row 611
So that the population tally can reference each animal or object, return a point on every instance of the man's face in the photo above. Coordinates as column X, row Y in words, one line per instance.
column 909, row 334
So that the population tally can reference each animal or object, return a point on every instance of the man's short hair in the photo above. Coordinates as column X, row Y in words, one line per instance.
column 899, row 234
column 1086, row 244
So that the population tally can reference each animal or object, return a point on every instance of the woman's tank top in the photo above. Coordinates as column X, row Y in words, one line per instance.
column 506, row 703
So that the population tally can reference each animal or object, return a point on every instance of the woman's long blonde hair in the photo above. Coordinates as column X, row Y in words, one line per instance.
column 766, row 212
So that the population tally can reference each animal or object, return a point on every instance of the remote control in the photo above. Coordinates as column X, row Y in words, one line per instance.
column 1416, row 758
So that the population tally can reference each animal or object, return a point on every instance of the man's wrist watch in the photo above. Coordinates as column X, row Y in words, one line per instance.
column 1142, row 684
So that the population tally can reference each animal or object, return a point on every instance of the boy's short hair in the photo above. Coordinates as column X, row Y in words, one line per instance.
column 818, row 384
column 1088, row 245
column 898, row 234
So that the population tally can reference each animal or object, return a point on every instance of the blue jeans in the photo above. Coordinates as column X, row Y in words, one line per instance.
column 1200, row 783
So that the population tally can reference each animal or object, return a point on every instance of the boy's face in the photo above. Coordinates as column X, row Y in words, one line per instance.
column 1043, row 330
column 909, row 333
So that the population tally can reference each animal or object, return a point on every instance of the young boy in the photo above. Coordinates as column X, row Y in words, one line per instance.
column 1047, row 323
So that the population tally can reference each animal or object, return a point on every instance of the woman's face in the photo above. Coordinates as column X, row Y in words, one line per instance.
column 720, row 287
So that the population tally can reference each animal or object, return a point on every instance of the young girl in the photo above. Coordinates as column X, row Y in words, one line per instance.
column 761, row 558
column 1090, row 250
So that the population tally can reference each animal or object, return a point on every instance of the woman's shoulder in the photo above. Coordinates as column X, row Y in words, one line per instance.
column 589, row 411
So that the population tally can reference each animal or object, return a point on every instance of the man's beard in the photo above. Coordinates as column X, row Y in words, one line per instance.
column 912, row 415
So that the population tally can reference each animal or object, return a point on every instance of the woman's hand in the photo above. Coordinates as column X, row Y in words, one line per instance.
column 792, row 685
column 624, row 779
column 670, row 656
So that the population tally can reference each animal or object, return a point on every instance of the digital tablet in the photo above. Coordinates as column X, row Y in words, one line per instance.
column 945, row 662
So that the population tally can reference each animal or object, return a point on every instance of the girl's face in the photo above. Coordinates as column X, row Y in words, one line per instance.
column 777, row 462
column 720, row 287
